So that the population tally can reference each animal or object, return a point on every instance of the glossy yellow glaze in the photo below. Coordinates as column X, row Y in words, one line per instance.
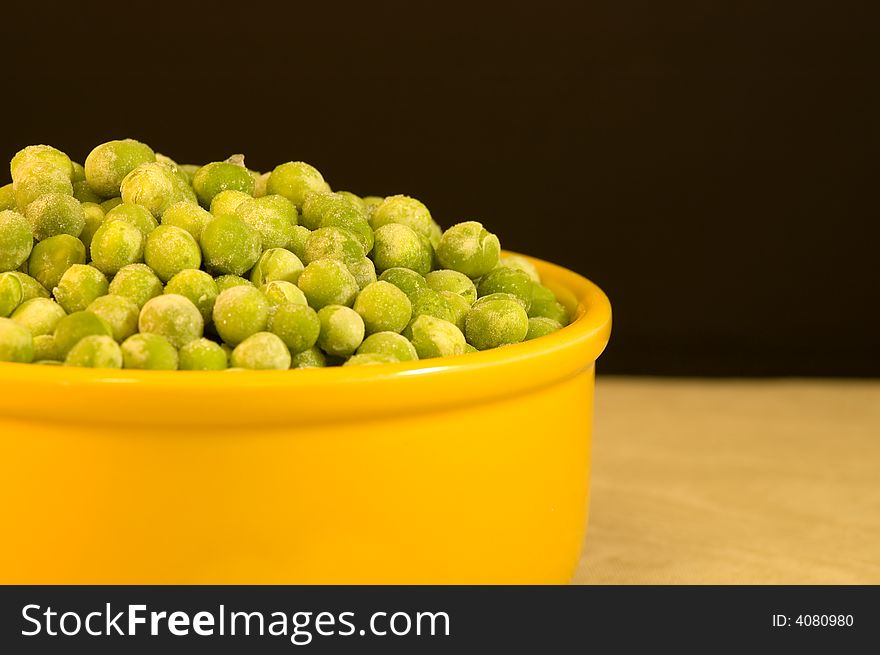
column 471, row 469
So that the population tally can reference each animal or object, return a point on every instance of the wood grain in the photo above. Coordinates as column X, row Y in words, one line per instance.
column 734, row 482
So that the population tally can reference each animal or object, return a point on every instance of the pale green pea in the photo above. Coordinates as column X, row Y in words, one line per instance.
column 328, row 282
column 496, row 322
column 79, row 286
column 522, row 264
column 95, row 352
column 227, row 202
column 295, row 180
column 398, row 246
column 458, row 308
column 16, row 342
column 297, row 325
column 408, row 281
column 276, row 264
column 135, row 215
column 110, row 203
column 370, row 359
column 404, row 211
column 458, row 283
column 342, row 330
column 30, row 288
column 434, row 337
column 383, row 308
column 391, row 344
column 230, row 246
column 39, row 315
column 76, row 326
column 198, row 287
column 38, row 181
column 149, row 351
column 53, row 214
column 151, row 186
column 280, row 292
column 225, row 282
column 508, row 280
column 540, row 326
column 219, row 176
column 43, row 156
column 363, row 271
column 172, row 316
column 44, row 348
column 120, row 313
column 469, row 248
column 83, row 193
column 51, row 257
column 7, row 198
column 240, row 312
column 108, row 164
column 137, row 282
column 115, row 245
column 261, row 351
column 188, row 216
column 202, row 355
column 170, row 250
column 299, row 236
column 272, row 216
column 10, row 294
column 311, row 358
column 94, row 216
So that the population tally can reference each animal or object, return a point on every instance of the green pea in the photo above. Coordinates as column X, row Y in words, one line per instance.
column 327, row 282
column 333, row 243
column 272, row 216
column 137, row 282
column 51, row 257
column 225, row 282
column 188, row 170
column 261, row 351
column 342, row 330
column 240, row 312
column 276, row 264
column 299, row 236
column 16, row 240
column 136, row 215
column 334, row 210
column 198, row 287
column 458, row 308
column 553, row 310
column 431, row 303
column 391, row 344
column 219, row 176
column 295, row 180
column 10, row 294
column 120, row 313
column 363, row 270
column 115, row 245
column 172, row 316
column 39, row 181
column 404, row 211
column 151, row 186
column 496, row 322
column 522, row 264
column 79, row 325
column 458, row 283
column 226, row 202
column 371, row 202
column 383, row 307
column 39, row 315
column 44, row 348
column 170, row 250
column 149, row 351
column 108, row 164
column 398, row 246
column 370, row 359
column 111, row 203
column 354, row 200
column 79, row 286
column 280, row 292
column 7, row 197
column 94, row 216
column 202, row 355
column 95, row 352
column 83, row 193
column 297, row 325
column 540, row 326
column 16, row 342
column 408, row 281
column 188, row 216
column 468, row 248
column 53, row 214
column 508, row 280
column 434, row 337
column 311, row 358
column 41, row 155
column 79, row 172
column 30, row 288
column 230, row 246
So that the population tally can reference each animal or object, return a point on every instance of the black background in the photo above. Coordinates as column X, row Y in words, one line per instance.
column 712, row 165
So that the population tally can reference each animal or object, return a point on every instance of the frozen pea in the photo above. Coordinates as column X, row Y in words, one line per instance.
column 137, row 282
column 42, row 155
column 458, row 308
column 272, row 216
column 44, row 348
column 311, row 358
column 120, row 313
column 383, row 307
column 468, row 348
column 116, row 244
column 261, row 182
column 371, row 202
column 240, row 312
column 297, row 325
column 83, row 193
column 280, row 292
column 299, row 235
column 405, row 211
column 342, row 330
column 469, row 248
column 10, row 294
column 95, row 352
column 261, row 351
column 76, row 326
column 108, row 164
column 79, row 172
column 79, row 286
column 408, row 281
column 363, row 270
column 225, row 282
column 522, row 264
column 53, row 214
column 16, row 342
column 30, row 288
column 188, row 170
column 496, row 322
column 370, row 359
column 94, row 216
column 169, row 250
column 276, row 264
column 496, row 296
column 219, row 176
column 333, row 243
column 136, row 215
column 354, row 200
column 333, row 210
column 327, row 282
column 294, row 180
column 508, row 280
column 398, row 246
column 434, row 337
column 16, row 240
column 172, row 316
column 202, row 355
column 458, row 283
column 540, row 326
column 110, row 203
column 51, row 257
column 226, row 202
column 198, row 287
column 391, row 344
column 149, row 351
column 39, row 180
column 188, row 216
column 39, row 315
column 430, row 303
column 152, row 186
column 230, row 246
column 552, row 310
column 7, row 197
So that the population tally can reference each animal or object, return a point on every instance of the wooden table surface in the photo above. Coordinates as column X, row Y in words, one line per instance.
column 734, row 482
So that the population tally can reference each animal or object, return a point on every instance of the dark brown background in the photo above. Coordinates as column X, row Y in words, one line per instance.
column 712, row 165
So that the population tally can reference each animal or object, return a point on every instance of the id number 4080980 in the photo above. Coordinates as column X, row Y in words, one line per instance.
column 813, row 621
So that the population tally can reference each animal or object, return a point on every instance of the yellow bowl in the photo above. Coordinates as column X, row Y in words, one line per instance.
column 471, row 469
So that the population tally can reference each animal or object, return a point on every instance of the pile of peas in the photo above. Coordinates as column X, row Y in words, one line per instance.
column 133, row 261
